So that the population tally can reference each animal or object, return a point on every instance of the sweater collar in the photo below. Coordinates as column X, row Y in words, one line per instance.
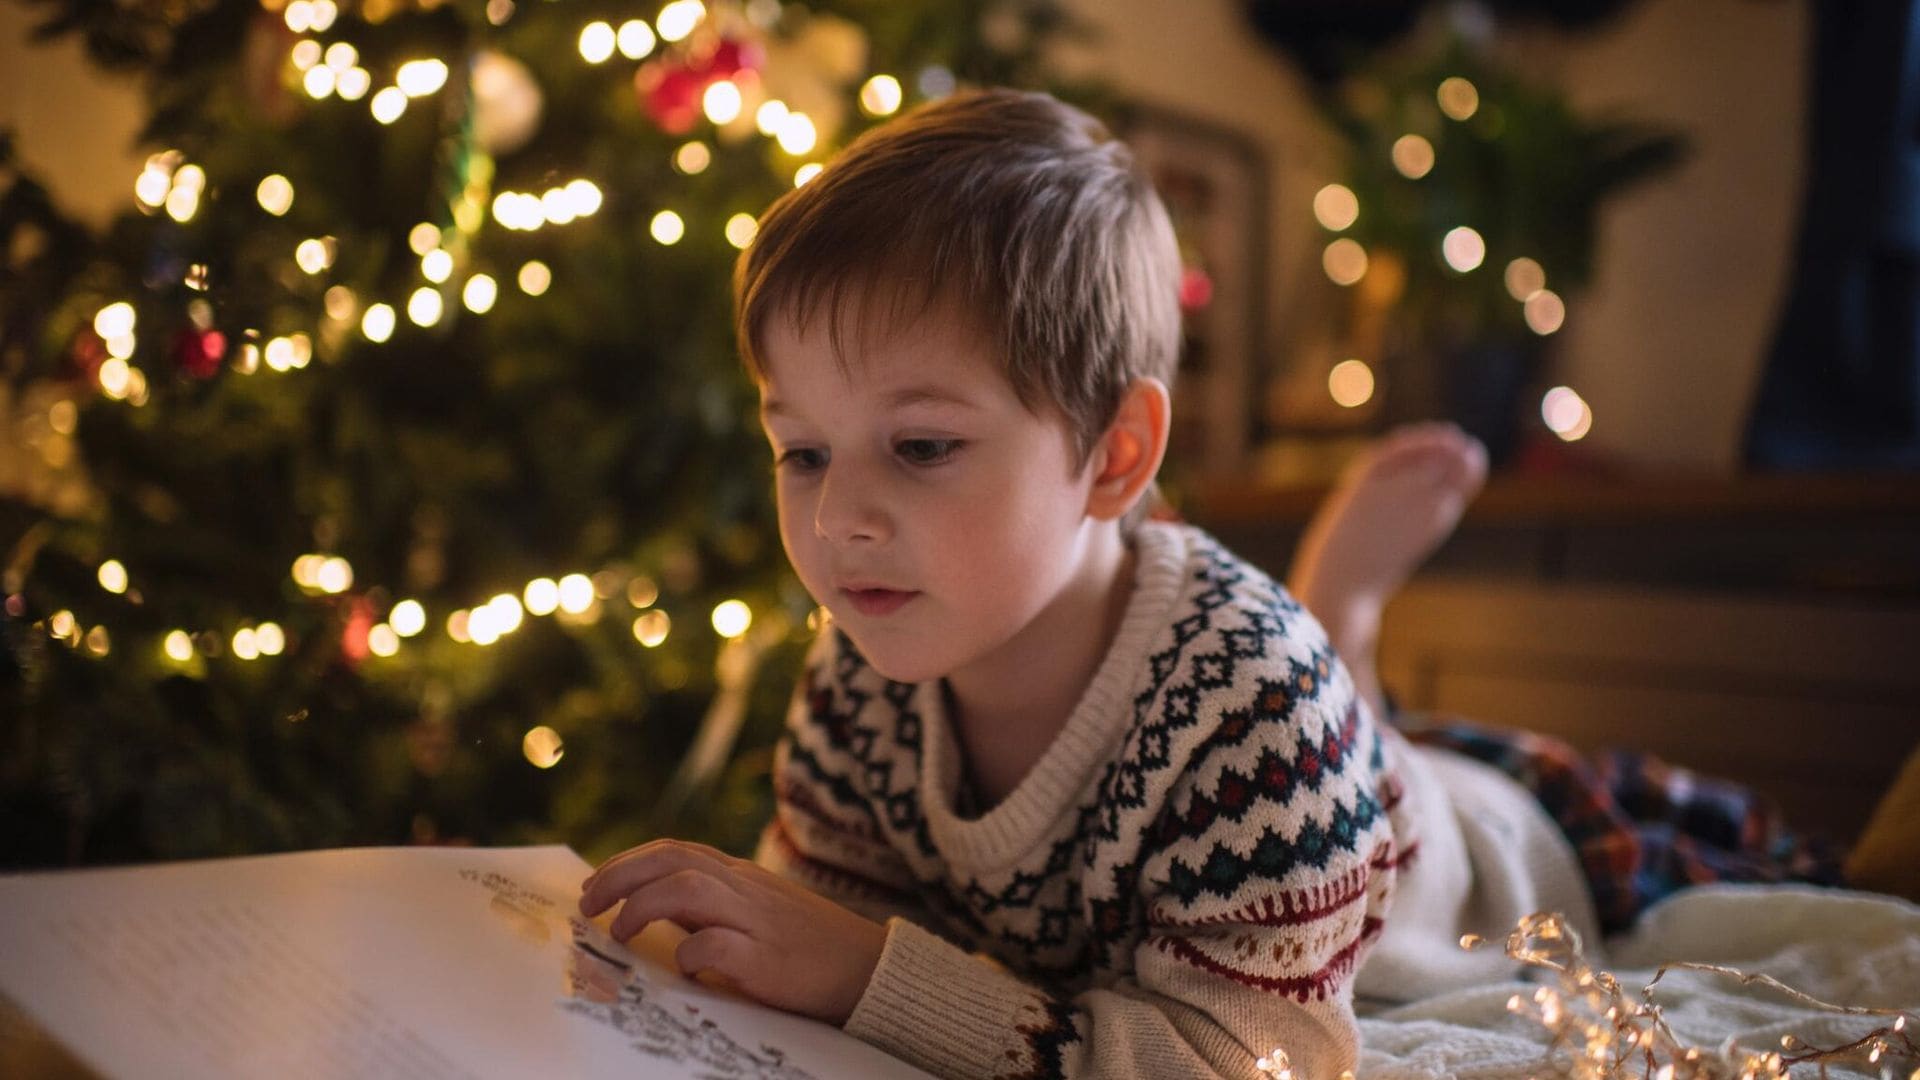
column 1059, row 781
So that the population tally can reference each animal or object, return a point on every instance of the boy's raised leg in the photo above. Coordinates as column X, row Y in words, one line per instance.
column 1391, row 508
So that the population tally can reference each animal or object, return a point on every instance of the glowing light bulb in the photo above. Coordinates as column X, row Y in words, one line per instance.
column 341, row 55
column 113, row 576
column 436, row 265
column 881, row 96
column 1350, row 383
column 1336, row 207
column 270, row 639
column 425, row 307
column 677, row 19
column 635, row 39
column 542, row 596
column 693, row 158
column 1345, row 261
column 312, row 256
column 418, row 78
column 741, row 229
column 1413, row 156
column 178, row 646
column 576, row 593
column 334, row 576
column 1458, row 98
column 507, row 612
column 1545, row 312
column 542, row 747
column 597, row 41
column 407, row 618
column 583, row 197
column 244, row 645
column 479, row 294
column 1463, row 249
column 275, row 194
column 319, row 81
column 667, row 228
column 651, row 628
column 353, row 84
column 721, row 102
column 771, row 114
column 378, row 322
column 797, row 135
column 388, row 104
column 152, row 186
column 731, row 618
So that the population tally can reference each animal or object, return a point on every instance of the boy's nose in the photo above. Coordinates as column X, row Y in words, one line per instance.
column 849, row 509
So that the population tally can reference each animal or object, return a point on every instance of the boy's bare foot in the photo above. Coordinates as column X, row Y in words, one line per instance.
column 1391, row 508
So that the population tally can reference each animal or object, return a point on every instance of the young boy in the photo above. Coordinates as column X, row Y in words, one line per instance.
column 1064, row 792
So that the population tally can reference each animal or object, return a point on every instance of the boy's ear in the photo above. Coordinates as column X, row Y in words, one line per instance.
column 1127, row 457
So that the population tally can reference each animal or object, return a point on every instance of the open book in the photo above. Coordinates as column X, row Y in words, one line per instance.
column 412, row 963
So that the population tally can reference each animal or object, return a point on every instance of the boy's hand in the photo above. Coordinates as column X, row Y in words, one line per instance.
column 779, row 943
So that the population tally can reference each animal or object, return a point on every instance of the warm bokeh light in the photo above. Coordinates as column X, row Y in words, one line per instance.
column 436, row 265
column 418, row 78
column 881, row 96
column 1463, row 249
column 597, row 41
column 507, row 612
column 457, row 624
column 576, row 593
column 535, row 278
column 692, row 158
column 642, row 592
column 797, row 135
column 1544, row 311
column 244, row 645
column 388, row 104
column 425, row 307
column 383, row 640
column 1345, row 261
column 1336, row 207
column 1413, row 156
column 667, row 228
column 741, row 229
column 1566, row 413
column 650, row 628
column 114, row 320
column 1524, row 278
column 275, row 194
column 312, row 255
column 479, row 294
column 542, row 747
column 335, row 575
column 771, row 114
column 407, row 618
column 1351, row 383
column 635, row 39
column 677, row 19
column 270, row 639
column 423, row 238
column 806, row 172
column 178, row 646
column 353, row 84
column 731, row 618
column 113, row 576
column 542, row 596
column 722, row 102
column 1458, row 98
column 378, row 322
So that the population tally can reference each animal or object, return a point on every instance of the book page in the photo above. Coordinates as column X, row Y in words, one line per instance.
column 413, row 963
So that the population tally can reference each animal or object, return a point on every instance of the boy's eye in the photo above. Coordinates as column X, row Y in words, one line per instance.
column 926, row 451
column 804, row 459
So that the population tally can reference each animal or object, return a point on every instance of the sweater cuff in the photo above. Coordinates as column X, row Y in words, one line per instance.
column 932, row 1004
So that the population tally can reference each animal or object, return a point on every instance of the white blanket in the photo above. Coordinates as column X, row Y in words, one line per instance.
column 1848, row 948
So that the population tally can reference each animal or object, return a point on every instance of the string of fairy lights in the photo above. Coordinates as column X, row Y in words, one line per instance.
column 331, row 69
column 1345, row 261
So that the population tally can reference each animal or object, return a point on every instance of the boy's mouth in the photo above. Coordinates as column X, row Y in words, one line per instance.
column 877, row 601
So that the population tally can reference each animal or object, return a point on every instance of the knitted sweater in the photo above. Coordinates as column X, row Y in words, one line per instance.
column 1186, row 881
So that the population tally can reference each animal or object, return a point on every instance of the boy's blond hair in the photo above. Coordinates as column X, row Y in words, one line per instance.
column 1021, row 212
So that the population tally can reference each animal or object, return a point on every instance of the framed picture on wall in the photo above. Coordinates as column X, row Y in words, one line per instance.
column 1214, row 182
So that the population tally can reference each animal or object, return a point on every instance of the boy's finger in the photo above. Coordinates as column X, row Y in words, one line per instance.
column 635, row 867
column 715, row 951
column 690, row 898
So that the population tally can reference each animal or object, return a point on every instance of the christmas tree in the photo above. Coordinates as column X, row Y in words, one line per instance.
column 385, row 472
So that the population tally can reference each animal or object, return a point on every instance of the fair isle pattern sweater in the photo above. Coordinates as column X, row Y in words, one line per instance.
column 1185, row 881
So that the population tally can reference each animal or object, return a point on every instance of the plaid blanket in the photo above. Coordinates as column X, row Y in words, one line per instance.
column 1642, row 827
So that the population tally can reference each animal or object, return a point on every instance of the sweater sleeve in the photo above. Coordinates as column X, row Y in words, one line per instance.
column 824, row 833
column 1264, row 881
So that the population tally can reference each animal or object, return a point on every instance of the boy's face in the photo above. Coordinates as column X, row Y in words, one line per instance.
column 920, row 501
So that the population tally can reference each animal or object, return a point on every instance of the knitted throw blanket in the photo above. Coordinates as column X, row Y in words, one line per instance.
column 1185, row 881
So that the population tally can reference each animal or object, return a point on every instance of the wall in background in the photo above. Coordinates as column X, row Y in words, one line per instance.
column 1666, row 346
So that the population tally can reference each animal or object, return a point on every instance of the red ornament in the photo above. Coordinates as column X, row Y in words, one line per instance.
column 732, row 57
column 1196, row 289
column 353, row 638
column 89, row 351
column 198, row 352
column 671, row 93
